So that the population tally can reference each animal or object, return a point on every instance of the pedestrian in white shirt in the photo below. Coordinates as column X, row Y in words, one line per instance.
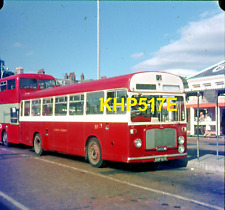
column 207, row 127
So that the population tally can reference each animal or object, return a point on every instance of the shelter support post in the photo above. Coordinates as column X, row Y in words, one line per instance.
column 198, row 94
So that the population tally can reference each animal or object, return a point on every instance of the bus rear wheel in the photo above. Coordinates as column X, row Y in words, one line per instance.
column 5, row 139
column 38, row 145
column 95, row 153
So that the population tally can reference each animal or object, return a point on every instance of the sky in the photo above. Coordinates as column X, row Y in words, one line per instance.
column 180, row 37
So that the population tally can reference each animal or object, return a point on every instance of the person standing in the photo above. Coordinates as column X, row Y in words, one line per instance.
column 201, row 119
column 207, row 127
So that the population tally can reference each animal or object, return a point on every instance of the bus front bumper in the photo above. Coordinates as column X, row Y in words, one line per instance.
column 156, row 158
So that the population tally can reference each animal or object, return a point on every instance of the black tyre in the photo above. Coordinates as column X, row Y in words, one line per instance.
column 38, row 145
column 94, row 153
column 5, row 139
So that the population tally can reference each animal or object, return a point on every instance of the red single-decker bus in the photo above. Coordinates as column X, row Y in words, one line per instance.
column 144, row 119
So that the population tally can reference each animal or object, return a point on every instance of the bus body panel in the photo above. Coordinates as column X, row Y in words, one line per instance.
column 13, row 133
column 55, row 137
column 117, row 141
column 9, row 96
column 76, row 142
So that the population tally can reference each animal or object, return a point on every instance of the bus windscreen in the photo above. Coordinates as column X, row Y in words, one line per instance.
column 158, row 109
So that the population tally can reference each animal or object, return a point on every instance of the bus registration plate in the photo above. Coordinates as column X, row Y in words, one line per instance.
column 161, row 159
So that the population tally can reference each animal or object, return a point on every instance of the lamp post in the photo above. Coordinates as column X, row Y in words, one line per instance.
column 1, row 68
column 98, row 40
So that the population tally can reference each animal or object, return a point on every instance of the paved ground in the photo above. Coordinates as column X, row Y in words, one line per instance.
column 208, row 159
column 58, row 181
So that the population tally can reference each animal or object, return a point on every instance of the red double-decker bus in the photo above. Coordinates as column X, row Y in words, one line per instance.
column 11, row 90
column 133, row 118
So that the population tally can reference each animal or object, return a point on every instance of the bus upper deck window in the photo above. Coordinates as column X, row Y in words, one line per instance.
column 26, row 83
column 3, row 85
column 11, row 84
column 46, row 83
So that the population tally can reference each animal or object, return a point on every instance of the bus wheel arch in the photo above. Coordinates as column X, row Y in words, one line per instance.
column 86, row 146
column 93, row 152
column 37, row 144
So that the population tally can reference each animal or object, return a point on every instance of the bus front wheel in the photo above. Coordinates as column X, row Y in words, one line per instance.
column 94, row 153
column 5, row 139
column 38, row 145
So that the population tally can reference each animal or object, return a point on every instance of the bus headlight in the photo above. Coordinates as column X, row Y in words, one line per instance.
column 138, row 143
column 181, row 149
column 181, row 140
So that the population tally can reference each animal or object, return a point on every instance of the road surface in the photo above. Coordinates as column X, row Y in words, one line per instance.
column 59, row 181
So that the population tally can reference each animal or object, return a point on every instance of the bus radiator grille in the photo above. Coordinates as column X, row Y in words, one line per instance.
column 161, row 137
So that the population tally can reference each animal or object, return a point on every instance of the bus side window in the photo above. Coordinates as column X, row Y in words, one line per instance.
column 112, row 95
column 47, row 107
column 76, row 105
column 61, row 106
column 27, row 108
column 36, row 108
column 119, row 95
column 93, row 102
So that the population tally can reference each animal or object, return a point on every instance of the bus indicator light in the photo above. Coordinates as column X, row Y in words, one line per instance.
column 133, row 131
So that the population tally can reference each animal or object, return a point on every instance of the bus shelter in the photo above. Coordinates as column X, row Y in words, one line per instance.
column 213, row 101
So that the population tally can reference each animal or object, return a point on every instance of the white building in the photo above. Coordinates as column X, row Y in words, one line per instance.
column 19, row 70
column 209, row 83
